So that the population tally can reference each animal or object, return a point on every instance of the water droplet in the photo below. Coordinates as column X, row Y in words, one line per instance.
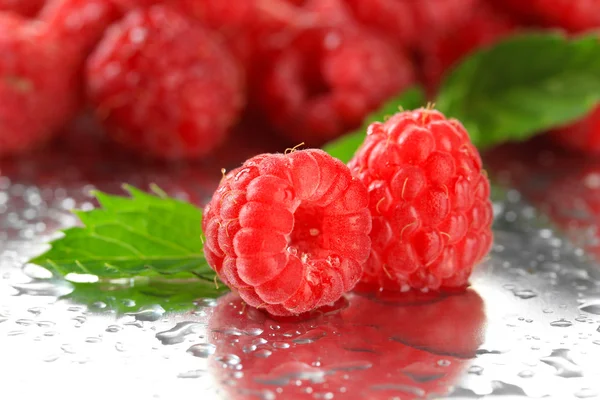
column 206, row 302
column 45, row 324
column 67, row 348
column 120, row 347
column 275, row 327
column 229, row 360
column 76, row 308
column 35, row 310
column 93, row 339
column 562, row 362
column 525, row 294
column 586, row 393
column 15, row 333
column 99, row 305
column 202, row 350
column 53, row 288
column 592, row 308
column 51, row 357
column 475, row 370
column 253, row 331
column 128, row 303
column 193, row 374
column 179, row 332
column 561, row 323
column 596, row 342
column 25, row 322
column 151, row 313
column 443, row 363
column 113, row 328
column 350, row 366
column 281, row 345
column 309, row 337
column 262, row 353
column 525, row 374
column 547, row 311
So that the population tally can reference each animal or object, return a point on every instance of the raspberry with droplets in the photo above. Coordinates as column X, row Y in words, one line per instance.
column 429, row 199
column 288, row 232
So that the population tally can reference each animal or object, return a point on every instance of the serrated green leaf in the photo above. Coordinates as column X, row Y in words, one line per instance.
column 522, row 86
column 344, row 147
column 144, row 234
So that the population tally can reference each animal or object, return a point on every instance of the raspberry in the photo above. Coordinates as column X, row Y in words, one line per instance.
column 25, row 8
column 164, row 85
column 289, row 232
column 79, row 24
column 429, row 200
column 365, row 350
column 405, row 22
column 328, row 79
column 36, row 96
column 482, row 27
column 583, row 136
column 572, row 15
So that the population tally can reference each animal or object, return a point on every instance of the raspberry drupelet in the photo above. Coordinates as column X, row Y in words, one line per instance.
column 429, row 199
column 288, row 232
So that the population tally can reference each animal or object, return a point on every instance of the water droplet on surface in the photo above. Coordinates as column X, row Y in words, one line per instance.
column 193, row 374
column 45, row 324
column 151, row 313
column 67, row 348
column 35, row 310
column 525, row 294
column 262, row 353
column 113, row 328
column 179, row 332
column 561, row 323
column 475, row 370
column 202, row 350
column 309, row 337
column 120, row 347
column 93, row 339
column 25, row 322
column 15, row 333
column 526, row 374
column 281, row 345
column 586, row 393
column 51, row 357
column 206, row 302
column 52, row 288
column 592, row 308
column 229, row 360
column 562, row 362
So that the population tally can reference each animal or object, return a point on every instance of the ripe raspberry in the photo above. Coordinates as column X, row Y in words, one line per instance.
column 407, row 22
column 327, row 80
column 25, row 8
column 583, row 136
column 429, row 200
column 79, row 24
column 289, row 232
column 164, row 85
column 482, row 27
column 35, row 85
column 573, row 15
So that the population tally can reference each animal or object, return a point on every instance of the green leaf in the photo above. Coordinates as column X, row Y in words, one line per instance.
column 144, row 234
column 345, row 146
column 523, row 85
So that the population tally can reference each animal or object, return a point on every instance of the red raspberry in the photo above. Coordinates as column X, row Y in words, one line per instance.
column 407, row 22
column 573, row 15
column 429, row 199
column 25, row 8
column 583, row 136
column 328, row 79
column 36, row 96
column 289, row 232
column 79, row 24
column 482, row 27
column 164, row 85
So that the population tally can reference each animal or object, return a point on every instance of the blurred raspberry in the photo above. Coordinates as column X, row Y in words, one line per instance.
column 78, row 24
column 482, row 27
column 36, row 96
column 583, row 136
column 164, row 85
column 327, row 80
column 25, row 8
column 572, row 15
column 407, row 22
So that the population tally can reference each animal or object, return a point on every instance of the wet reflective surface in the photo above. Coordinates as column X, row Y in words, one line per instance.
column 529, row 327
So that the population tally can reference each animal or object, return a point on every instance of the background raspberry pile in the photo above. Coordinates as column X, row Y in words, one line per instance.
column 183, row 79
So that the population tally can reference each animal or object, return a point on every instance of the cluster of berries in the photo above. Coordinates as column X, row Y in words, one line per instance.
column 173, row 78
column 293, row 232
